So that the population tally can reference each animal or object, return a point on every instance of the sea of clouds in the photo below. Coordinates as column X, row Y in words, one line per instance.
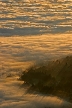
column 16, row 55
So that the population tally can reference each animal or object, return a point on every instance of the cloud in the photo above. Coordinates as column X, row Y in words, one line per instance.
column 17, row 54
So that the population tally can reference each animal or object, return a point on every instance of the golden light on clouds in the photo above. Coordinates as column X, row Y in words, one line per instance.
column 41, row 15
column 19, row 50
column 31, row 31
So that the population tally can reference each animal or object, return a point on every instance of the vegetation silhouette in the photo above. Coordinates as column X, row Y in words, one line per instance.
column 54, row 78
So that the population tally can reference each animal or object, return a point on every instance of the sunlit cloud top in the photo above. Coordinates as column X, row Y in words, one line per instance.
column 26, row 17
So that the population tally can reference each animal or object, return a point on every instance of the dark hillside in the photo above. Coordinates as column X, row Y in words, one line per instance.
column 54, row 78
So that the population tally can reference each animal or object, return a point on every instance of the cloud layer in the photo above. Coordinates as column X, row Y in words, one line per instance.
column 18, row 53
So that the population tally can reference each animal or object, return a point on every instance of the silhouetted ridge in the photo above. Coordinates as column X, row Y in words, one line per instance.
column 54, row 78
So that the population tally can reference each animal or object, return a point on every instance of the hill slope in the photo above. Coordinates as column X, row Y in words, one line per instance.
column 54, row 78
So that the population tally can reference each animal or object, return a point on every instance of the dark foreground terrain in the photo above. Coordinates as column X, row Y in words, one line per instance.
column 54, row 78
